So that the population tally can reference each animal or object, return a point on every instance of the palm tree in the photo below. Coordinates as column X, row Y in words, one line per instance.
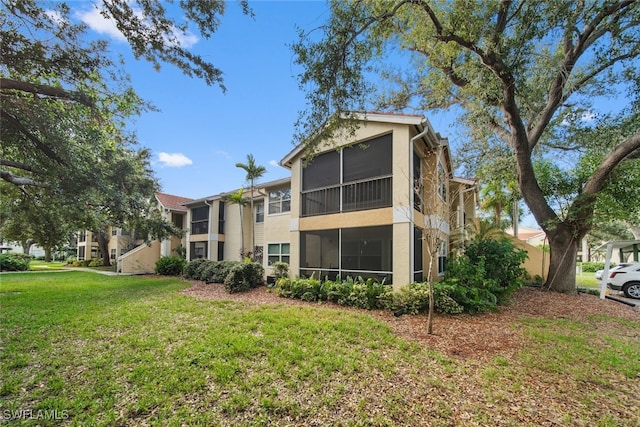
column 253, row 172
column 237, row 199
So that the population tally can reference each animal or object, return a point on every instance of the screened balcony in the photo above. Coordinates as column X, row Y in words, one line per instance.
column 352, row 196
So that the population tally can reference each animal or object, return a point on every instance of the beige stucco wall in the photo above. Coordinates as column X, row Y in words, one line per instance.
column 538, row 262
column 140, row 260
column 276, row 230
column 232, row 232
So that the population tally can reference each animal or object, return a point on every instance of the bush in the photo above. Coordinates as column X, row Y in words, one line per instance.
column 14, row 262
column 203, row 269
column 414, row 299
column 485, row 276
column 191, row 269
column 351, row 292
column 280, row 269
column 170, row 265
column 97, row 262
column 216, row 271
column 592, row 267
column 244, row 276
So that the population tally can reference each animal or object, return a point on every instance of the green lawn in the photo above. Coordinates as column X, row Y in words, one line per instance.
column 89, row 349
column 37, row 265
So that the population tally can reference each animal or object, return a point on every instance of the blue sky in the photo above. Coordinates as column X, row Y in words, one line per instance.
column 200, row 132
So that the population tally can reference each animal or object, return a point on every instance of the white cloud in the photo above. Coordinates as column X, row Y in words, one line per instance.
column 98, row 23
column 174, row 160
column 273, row 163
column 94, row 19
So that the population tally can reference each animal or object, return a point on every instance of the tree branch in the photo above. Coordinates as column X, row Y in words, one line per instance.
column 16, row 180
column 627, row 149
column 557, row 94
column 19, row 165
column 46, row 90
column 15, row 123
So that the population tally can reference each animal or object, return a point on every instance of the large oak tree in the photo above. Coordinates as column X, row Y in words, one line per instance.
column 518, row 70
column 67, row 104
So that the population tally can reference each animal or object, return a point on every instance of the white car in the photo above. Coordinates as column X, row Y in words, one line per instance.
column 599, row 273
column 626, row 279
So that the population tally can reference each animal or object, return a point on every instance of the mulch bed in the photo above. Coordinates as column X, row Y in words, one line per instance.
column 465, row 336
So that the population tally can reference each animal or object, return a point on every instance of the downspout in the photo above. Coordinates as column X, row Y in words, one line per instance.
column 209, row 229
column 425, row 131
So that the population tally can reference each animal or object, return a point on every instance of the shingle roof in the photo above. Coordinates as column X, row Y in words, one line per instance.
column 172, row 202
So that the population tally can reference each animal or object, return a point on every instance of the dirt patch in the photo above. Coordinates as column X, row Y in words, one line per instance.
column 465, row 336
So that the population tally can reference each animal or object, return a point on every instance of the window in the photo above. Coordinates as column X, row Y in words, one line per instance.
column 373, row 161
column 178, row 220
column 279, row 201
column 82, row 237
column 81, row 253
column 418, row 185
column 259, row 212
column 220, row 251
column 418, row 271
column 442, row 258
column 221, row 210
column 442, row 181
column 113, row 254
column 114, row 231
column 200, row 220
column 278, row 252
column 198, row 250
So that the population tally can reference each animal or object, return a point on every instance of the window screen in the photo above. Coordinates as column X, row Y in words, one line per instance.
column 374, row 160
column 323, row 171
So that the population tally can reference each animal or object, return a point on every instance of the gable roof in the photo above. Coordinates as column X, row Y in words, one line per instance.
column 169, row 201
column 419, row 121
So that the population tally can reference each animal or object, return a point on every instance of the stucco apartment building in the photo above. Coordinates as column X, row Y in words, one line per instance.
column 132, row 255
column 348, row 210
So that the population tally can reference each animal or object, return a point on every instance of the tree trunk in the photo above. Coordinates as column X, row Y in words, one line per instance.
column 563, row 247
column 26, row 245
column 103, row 245
column 47, row 253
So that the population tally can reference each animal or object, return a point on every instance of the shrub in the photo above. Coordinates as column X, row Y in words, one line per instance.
column 414, row 299
column 14, row 262
column 244, row 276
column 203, row 269
column 191, row 269
column 216, row 271
column 502, row 263
column 170, row 265
column 97, row 262
column 351, row 292
column 592, row 267
column 280, row 269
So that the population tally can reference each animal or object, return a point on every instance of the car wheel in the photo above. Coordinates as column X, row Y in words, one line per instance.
column 632, row 290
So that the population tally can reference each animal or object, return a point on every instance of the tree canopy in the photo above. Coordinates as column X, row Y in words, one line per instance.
column 67, row 106
column 526, row 75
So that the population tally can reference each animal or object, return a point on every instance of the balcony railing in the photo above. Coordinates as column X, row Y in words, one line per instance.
column 349, row 197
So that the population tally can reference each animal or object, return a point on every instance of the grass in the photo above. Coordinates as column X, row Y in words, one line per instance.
column 587, row 280
column 39, row 265
column 86, row 349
